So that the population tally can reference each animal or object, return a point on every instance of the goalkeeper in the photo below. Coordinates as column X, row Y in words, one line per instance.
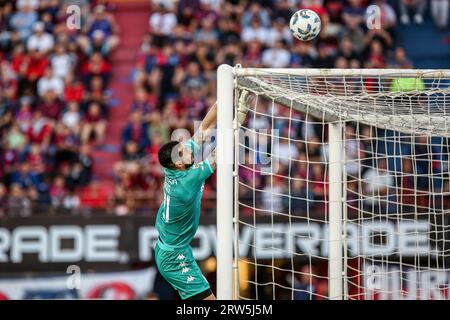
column 178, row 216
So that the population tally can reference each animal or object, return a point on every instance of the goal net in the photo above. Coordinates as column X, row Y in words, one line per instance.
column 341, row 184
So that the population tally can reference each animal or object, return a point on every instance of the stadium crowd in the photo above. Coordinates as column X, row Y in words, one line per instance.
column 54, row 86
column 53, row 102
column 175, row 81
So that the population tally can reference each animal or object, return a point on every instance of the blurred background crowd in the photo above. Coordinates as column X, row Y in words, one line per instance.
column 58, row 113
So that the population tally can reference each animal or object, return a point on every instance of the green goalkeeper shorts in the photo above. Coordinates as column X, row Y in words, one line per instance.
column 180, row 269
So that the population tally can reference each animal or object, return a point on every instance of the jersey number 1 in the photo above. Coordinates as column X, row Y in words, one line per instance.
column 166, row 204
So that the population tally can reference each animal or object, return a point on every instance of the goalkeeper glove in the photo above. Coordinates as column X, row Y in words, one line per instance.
column 242, row 107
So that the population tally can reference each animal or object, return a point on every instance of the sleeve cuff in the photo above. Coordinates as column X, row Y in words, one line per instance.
column 191, row 144
column 209, row 165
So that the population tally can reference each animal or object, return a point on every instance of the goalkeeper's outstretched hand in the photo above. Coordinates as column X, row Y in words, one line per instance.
column 243, row 106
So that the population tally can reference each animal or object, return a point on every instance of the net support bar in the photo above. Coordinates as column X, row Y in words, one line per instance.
column 335, row 211
column 225, row 157
column 317, row 72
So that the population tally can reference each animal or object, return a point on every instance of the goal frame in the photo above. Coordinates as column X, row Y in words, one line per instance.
column 226, row 171
column 227, row 215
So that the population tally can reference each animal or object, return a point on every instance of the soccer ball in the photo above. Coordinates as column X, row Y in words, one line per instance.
column 305, row 25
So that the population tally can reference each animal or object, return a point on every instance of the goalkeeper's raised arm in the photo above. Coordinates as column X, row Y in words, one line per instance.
column 209, row 122
column 210, row 119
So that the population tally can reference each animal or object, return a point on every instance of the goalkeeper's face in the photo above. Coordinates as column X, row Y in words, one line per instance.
column 185, row 157
column 175, row 155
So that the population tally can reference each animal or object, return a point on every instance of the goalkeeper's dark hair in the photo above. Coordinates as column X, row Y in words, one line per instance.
column 165, row 154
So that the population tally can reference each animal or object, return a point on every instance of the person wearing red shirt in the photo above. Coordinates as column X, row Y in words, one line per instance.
column 18, row 57
column 93, row 123
column 40, row 130
column 34, row 66
column 94, row 196
column 96, row 66
column 36, row 159
column 50, row 106
column 74, row 90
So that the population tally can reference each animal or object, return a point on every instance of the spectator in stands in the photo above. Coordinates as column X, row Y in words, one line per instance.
column 15, row 138
column 19, row 205
column 400, row 61
column 96, row 93
column 8, row 83
column 252, row 56
column 83, row 167
column 255, row 12
column 192, row 79
column 283, row 9
column 408, row 196
column 272, row 196
column 276, row 56
column 120, row 202
column 228, row 31
column 440, row 12
column 318, row 183
column 287, row 150
column 137, row 131
column 255, row 31
column 104, row 22
column 32, row 68
column 71, row 202
column 375, row 58
column 162, row 21
column 93, row 123
column 40, row 129
column 94, row 196
column 50, row 82
column 57, row 192
column 66, row 142
column 346, row 50
column 279, row 32
column 74, row 89
column 62, row 62
column 35, row 160
column 23, row 21
column 96, row 66
column 353, row 152
column 40, row 40
column 299, row 198
column 71, row 118
column 98, row 44
column 33, row 4
column 379, row 35
column 305, row 284
column 303, row 55
column 324, row 59
column 378, row 182
column 353, row 14
column 417, row 7
column 207, row 33
column 50, row 105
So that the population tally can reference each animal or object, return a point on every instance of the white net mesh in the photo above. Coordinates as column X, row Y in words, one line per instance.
column 395, row 183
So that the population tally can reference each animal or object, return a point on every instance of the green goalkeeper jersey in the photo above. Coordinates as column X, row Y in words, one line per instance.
column 179, row 214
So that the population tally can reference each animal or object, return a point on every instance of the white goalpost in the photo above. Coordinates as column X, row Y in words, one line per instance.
column 336, row 185
column 225, row 160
